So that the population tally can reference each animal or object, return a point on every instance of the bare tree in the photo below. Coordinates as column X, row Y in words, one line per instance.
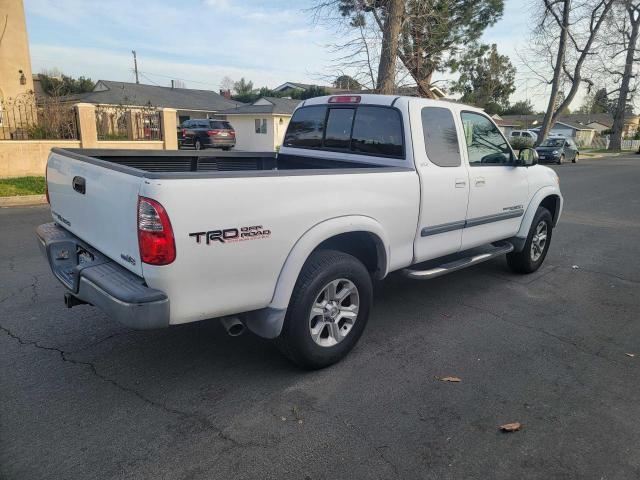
column 577, row 31
column 627, row 26
column 227, row 84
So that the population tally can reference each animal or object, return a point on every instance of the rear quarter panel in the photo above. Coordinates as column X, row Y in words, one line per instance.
column 210, row 280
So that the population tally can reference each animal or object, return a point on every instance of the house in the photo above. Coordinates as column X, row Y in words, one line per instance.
column 301, row 87
column 289, row 87
column 189, row 103
column 567, row 126
column 505, row 126
column 582, row 134
column 260, row 127
column 600, row 123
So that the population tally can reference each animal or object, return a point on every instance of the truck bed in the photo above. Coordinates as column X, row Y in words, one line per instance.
column 184, row 163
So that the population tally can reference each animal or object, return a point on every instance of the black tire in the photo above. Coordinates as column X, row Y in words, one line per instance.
column 226, row 149
column 561, row 159
column 524, row 261
column 295, row 340
column 197, row 144
column 576, row 158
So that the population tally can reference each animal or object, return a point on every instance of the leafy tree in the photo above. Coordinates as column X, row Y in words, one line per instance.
column 431, row 31
column 486, row 78
column 596, row 102
column 244, row 91
column 58, row 84
column 313, row 91
column 347, row 82
column 522, row 107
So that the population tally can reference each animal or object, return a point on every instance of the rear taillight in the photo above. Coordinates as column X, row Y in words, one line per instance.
column 213, row 133
column 232, row 133
column 155, row 235
column 184, row 132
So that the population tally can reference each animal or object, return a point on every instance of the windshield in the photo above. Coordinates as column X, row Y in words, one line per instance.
column 553, row 142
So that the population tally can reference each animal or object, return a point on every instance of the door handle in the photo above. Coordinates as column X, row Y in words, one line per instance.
column 480, row 181
column 79, row 185
column 460, row 183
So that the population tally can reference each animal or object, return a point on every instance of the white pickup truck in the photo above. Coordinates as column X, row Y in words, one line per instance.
column 288, row 245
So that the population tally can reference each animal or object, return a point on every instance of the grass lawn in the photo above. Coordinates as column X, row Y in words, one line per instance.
column 10, row 187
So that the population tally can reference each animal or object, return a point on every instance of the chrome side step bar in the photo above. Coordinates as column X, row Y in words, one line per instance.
column 474, row 257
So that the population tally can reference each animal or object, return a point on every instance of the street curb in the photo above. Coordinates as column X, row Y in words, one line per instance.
column 22, row 200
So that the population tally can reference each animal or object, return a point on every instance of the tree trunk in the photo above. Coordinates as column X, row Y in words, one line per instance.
column 557, row 74
column 618, row 122
column 387, row 68
column 424, row 85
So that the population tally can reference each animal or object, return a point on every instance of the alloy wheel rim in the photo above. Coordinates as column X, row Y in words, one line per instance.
column 334, row 312
column 539, row 241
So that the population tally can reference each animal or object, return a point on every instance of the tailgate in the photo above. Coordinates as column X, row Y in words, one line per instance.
column 97, row 204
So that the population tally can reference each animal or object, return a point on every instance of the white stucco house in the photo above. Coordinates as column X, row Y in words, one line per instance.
column 260, row 127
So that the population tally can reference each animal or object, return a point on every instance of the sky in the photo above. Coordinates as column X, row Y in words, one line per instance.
column 202, row 41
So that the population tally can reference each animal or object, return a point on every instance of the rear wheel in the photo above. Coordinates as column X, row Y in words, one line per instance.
column 328, row 311
column 536, row 246
column 576, row 158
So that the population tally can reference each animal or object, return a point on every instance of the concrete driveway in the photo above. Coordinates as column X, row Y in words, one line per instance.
column 82, row 397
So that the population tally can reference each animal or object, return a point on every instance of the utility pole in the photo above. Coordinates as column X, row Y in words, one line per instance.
column 135, row 65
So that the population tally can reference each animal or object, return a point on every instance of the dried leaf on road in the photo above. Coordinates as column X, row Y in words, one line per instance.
column 511, row 427
column 630, row 354
column 449, row 379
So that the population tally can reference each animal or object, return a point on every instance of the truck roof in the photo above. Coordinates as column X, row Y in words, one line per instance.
column 388, row 100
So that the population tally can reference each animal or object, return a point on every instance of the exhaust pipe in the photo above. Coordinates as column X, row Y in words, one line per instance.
column 72, row 301
column 233, row 325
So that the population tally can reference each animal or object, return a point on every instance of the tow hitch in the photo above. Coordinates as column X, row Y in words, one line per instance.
column 72, row 300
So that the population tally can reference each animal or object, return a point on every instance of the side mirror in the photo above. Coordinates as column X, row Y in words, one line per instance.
column 528, row 157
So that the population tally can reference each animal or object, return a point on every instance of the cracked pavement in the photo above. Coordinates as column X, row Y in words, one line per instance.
column 82, row 397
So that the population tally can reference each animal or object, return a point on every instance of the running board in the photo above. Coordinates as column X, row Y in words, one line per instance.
column 470, row 258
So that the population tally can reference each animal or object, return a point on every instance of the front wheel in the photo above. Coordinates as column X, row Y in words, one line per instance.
column 328, row 311
column 561, row 159
column 536, row 246
column 576, row 158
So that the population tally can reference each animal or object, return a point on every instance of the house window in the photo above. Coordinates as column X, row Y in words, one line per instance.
column 261, row 125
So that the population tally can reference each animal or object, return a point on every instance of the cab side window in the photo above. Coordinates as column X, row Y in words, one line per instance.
column 440, row 137
column 485, row 144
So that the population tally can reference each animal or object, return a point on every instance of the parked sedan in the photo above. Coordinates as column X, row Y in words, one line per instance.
column 558, row 150
column 206, row 133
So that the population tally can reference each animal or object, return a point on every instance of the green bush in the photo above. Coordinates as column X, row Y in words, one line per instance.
column 518, row 143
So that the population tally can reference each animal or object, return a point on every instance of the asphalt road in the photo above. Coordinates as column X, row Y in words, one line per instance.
column 82, row 397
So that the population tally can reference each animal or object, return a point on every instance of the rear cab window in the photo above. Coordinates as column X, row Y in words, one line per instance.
column 363, row 129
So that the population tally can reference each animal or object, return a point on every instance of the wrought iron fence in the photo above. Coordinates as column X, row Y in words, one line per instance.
column 28, row 118
column 118, row 122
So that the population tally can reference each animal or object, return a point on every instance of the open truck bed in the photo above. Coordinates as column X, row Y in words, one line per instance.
column 185, row 163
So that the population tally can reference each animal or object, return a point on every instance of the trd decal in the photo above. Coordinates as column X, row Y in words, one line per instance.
column 231, row 235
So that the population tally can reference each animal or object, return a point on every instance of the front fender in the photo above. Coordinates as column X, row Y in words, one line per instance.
column 537, row 198
column 314, row 237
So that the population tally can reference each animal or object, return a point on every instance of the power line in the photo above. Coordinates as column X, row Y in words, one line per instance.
column 144, row 76
column 176, row 78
